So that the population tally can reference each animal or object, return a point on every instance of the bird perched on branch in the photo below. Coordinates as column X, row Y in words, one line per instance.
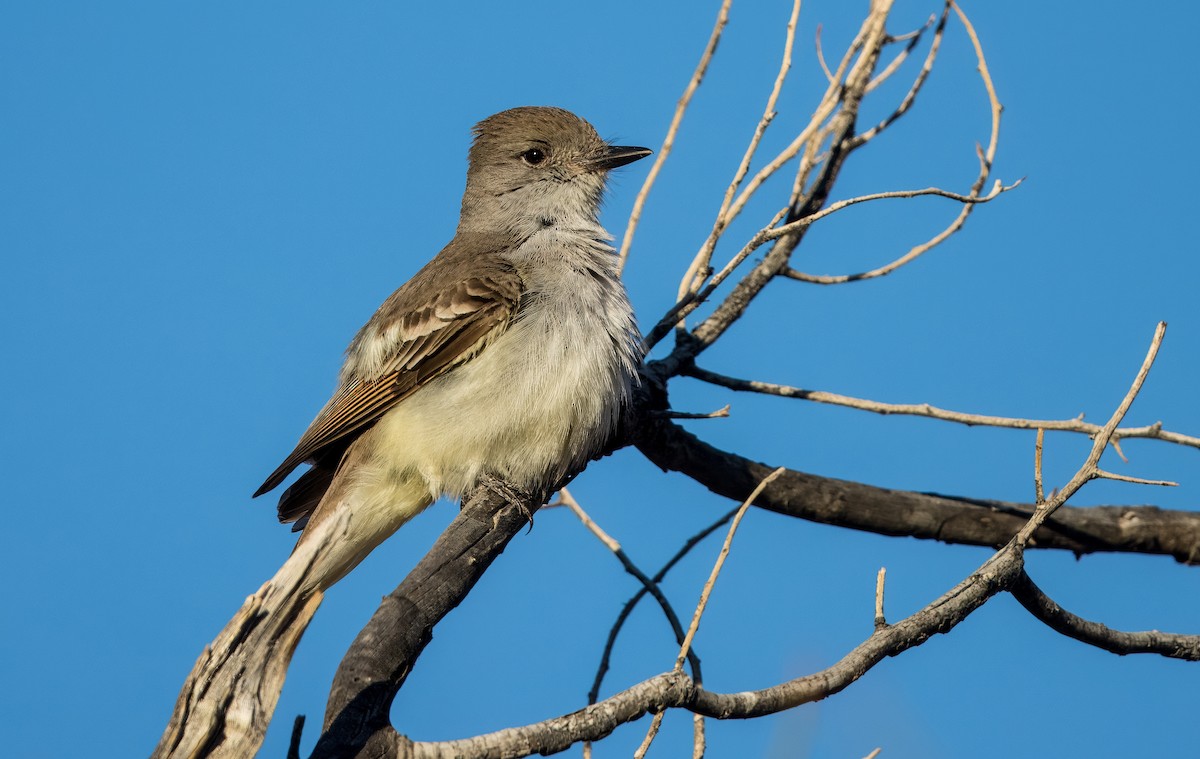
column 510, row 354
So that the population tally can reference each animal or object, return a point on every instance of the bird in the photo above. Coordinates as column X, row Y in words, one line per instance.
column 510, row 355
column 508, row 358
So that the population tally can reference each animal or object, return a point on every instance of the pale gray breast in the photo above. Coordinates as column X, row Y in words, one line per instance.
column 571, row 274
column 576, row 302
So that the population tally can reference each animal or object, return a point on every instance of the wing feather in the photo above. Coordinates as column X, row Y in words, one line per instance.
column 420, row 344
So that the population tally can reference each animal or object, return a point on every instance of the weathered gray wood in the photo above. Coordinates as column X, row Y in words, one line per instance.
column 227, row 701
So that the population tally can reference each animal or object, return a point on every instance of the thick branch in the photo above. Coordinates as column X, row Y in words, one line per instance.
column 229, row 697
column 1001, row 571
column 383, row 654
column 1060, row 620
column 675, row 690
column 1125, row 529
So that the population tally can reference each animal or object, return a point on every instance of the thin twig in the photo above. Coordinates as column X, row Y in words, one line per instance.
column 914, row 89
column 716, row 570
column 880, row 619
column 1116, row 444
column 1039, row 495
column 968, row 201
column 825, row 107
column 810, row 159
column 849, row 96
column 1101, row 473
column 1150, row 431
column 694, row 277
column 705, row 593
column 655, row 724
column 651, row 586
column 293, row 751
column 821, row 57
column 720, row 413
column 913, row 38
column 631, row 604
column 669, row 141
column 986, row 159
column 690, row 302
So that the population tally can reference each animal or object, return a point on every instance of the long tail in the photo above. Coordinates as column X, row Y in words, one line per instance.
column 229, row 698
column 227, row 701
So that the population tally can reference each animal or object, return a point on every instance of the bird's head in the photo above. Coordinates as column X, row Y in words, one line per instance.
column 534, row 167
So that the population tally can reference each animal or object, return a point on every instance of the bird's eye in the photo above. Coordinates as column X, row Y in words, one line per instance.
column 533, row 156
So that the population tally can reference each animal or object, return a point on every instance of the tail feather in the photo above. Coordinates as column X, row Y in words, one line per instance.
column 300, row 500
column 228, row 699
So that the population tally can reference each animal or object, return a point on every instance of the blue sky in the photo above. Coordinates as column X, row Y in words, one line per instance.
column 200, row 203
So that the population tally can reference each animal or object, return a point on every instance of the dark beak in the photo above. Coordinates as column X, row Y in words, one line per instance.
column 615, row 155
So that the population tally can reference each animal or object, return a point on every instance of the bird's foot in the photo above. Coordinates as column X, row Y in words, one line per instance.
column 514, row 494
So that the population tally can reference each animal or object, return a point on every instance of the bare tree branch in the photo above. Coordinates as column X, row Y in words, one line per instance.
column 913, row 38
column 1103, row 474
column 631, row 604
column 383, row 653
column 928, row 516
column 870, row 41
column 821, row 56
column 1001, row 571
column 669, row 141
column 1038, row 494
column 648, row 584
column 857, row 78
column 229, row 697
column 880, row 618
column 698, row 270
column 1150, row 431
column 1040, row 605
column 986, row 159
column 910, row 97
column 826, row 106
column 1091, row 466
column 720, row 562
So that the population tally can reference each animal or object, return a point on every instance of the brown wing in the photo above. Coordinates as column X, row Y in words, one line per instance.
column 416, row 345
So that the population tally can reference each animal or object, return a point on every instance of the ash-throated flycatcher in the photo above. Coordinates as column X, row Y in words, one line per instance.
column 510, row 354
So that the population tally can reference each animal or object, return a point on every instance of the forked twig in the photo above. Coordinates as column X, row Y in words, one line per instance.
column 648, row 584
column 691, row 301
column 914, row 89
column 986, row 159
column 697, row 271
column 631, row 604
column 1090, row 469
column 913, row 38
column 705, row 593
